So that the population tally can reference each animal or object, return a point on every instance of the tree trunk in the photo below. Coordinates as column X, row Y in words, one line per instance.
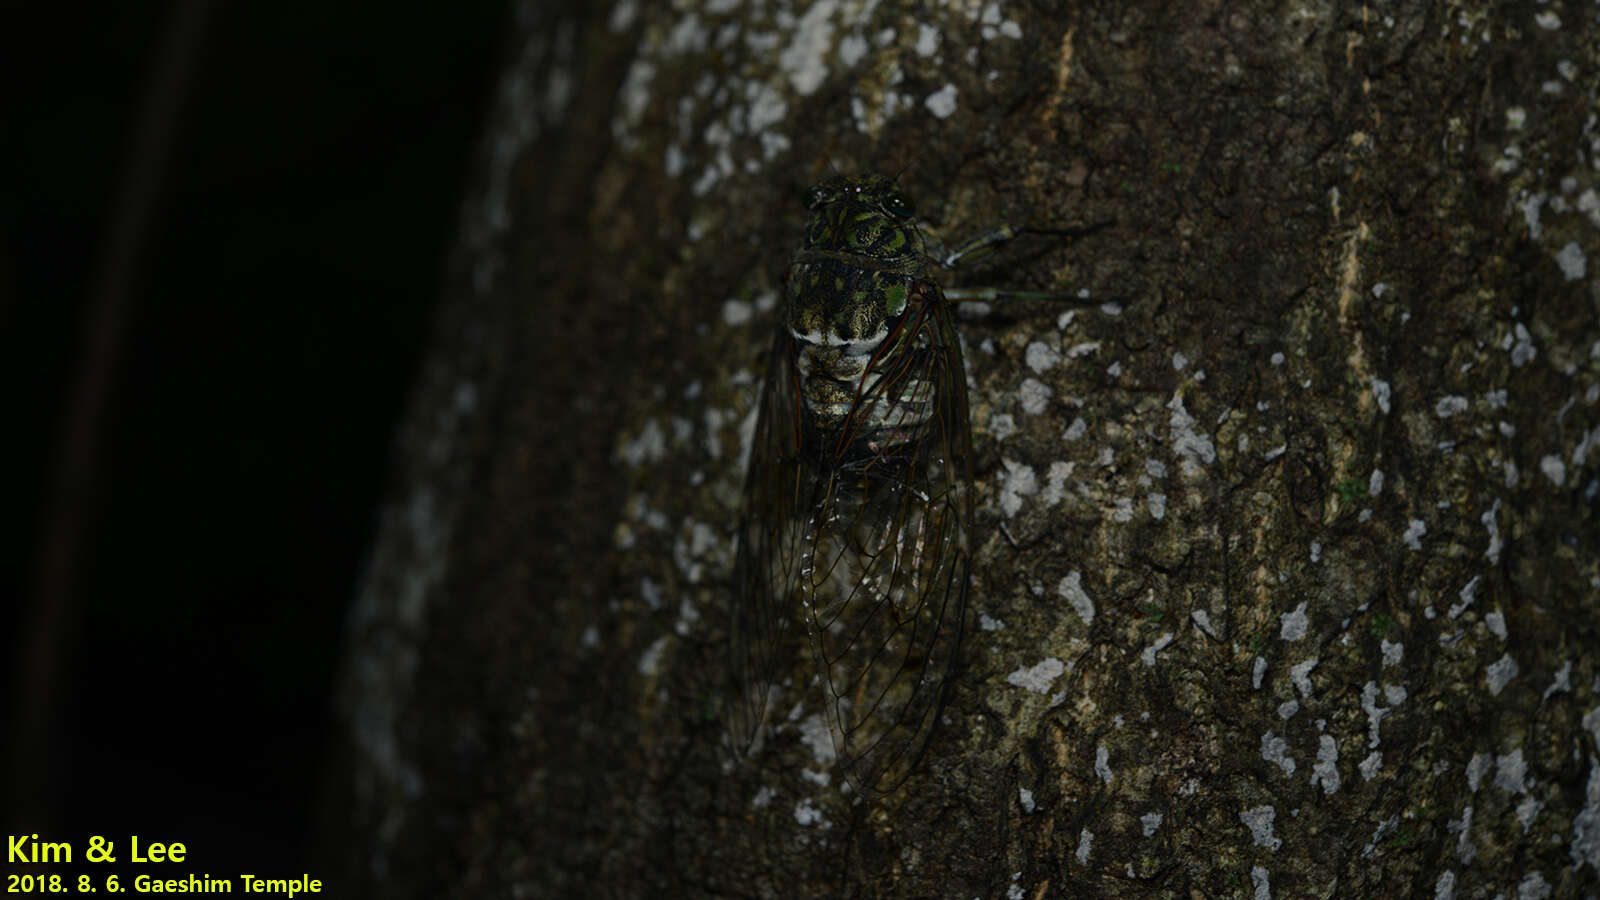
column 1285, row 559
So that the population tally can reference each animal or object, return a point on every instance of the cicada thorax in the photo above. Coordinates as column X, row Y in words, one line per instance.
column 862, row 357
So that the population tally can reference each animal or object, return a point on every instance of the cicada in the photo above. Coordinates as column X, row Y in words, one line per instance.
column 857, row 513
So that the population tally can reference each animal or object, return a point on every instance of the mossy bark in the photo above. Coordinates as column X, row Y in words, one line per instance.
column 1287, row 559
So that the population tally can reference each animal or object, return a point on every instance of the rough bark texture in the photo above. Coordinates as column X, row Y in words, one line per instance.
column 1286, row 563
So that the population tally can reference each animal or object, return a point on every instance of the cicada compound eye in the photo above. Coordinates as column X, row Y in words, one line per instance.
column 898, row 206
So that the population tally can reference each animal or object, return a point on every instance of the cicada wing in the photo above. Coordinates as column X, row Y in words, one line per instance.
column 778, row 487
column 885, row 582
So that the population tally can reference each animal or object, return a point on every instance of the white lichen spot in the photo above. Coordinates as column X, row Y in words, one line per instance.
column 1375, row 713
column 1275, row 750
column 1496, row 544
column 1585, row 846
column 807, row 814
column 687, row 616
column 1179, row 361
column 815, row 735
column 1572, row 261
column 1415, row 529
column 1450, row 405
column 802, row 59
column 623, row 15
column 1002, row 426
column 1148, row 656
column 1380, row 393
column 1562, row 683
column 1085, row 839
column 1038, row 678
column 1371, row 766
column 1548, row 20
column 1477, row 767
column 1511, row 772
column 942, row 103
column 1288, row 708
column 1075, row 430
column 1528, row 811
column 1392, row 653
column 737, row 312
column 1102, row 763
column 650, row 592
column 1158, row 506
column 1499, row 673
column 1554, row 469
column 1258, row 670
column 1260, row 883
column 1325, row 771
column 1300, row 674
column 767, row 107
column 1041, row 357
column 1591, row 724
column 1034, row 396
column 688, row 36
column 1496, row 622
column 1468, row 594
column 1150, row 822
column 1025, row 797
column 1378, row 834
column 1193, row 448
column 649, row 446
column 1590, row 439
column 1122, row 509
column 1445, row 887
column 1294, row 624
column 1522, row 349
column 927, row 40
column 1259, row 820
column 1466, row 850
column 763, row 797
column 990, row 623
column 1017, row 481
column 650, row 660
column 1055, row 482
column 1533, row 887
column 853, row 48
column 1071, row 590
column 1277, row 358
column 590, row 638
column 772, row 144
column 1202, row 621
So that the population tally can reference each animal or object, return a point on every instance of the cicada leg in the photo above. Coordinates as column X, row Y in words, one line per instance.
column 980, row 245
column 977, row 246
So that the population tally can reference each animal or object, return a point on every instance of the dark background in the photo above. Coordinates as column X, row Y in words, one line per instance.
column 274, row 321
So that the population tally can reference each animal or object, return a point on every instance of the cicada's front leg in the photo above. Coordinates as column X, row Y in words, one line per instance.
column 981, row 245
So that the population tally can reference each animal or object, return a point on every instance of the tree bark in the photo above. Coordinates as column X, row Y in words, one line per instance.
column 1286, row 558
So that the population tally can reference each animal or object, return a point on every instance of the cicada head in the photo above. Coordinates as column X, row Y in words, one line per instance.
column 857, row 271
column 866, row 217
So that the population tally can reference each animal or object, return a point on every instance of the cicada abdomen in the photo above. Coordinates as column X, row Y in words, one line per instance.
column 857, row 500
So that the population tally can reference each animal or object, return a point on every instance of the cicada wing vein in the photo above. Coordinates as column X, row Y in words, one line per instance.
column 885, row 593
column 779, row 484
